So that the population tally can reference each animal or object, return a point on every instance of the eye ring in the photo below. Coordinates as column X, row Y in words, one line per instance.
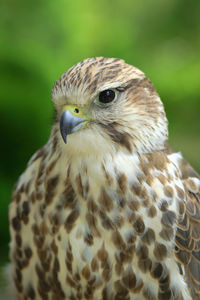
column 106, row 97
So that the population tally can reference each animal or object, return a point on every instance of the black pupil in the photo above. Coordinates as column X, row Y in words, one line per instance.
column 106, row 96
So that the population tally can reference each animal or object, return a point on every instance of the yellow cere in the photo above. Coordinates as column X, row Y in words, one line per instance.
column 77, row 112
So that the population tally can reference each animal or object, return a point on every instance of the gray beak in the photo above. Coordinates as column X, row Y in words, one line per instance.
column 69, row 124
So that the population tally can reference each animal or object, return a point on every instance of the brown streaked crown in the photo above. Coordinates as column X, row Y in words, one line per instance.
column 92, row 73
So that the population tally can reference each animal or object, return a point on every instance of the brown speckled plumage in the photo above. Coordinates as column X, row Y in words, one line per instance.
column 113, row 214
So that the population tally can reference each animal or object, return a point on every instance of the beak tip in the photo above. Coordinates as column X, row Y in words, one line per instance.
column 64, row 137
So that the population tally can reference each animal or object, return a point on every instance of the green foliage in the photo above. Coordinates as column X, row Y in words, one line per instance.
column 41, row 39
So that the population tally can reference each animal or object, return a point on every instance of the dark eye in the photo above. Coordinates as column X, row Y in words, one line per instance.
column 106, row 96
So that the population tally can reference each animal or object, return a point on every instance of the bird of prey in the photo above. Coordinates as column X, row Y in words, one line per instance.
column 105, row 210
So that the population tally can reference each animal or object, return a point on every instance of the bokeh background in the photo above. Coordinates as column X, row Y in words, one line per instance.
column 40, row 40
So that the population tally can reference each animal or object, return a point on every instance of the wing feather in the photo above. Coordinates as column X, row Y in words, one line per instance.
column 187, row 248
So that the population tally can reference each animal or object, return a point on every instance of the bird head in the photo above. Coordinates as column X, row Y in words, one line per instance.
column 104, row 102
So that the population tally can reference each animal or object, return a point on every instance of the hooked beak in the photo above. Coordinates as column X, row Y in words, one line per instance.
column 71, row 120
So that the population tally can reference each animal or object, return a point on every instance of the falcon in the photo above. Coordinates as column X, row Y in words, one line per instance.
column 105, row 210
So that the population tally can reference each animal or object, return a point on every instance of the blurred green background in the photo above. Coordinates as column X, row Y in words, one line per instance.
column 40, row 40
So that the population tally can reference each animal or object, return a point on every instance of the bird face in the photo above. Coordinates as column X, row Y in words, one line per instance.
column 106, row 101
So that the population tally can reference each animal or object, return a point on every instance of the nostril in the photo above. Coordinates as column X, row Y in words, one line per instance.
column 76, row 110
